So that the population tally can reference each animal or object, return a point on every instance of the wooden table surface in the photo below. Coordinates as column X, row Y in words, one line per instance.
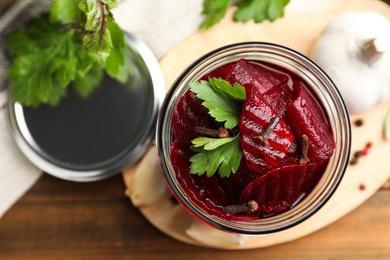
column 59, row 219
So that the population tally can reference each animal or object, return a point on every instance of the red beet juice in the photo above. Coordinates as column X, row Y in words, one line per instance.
column 276, row 175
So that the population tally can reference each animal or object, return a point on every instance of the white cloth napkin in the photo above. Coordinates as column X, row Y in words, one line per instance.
column 17, row 174
column 161, row 24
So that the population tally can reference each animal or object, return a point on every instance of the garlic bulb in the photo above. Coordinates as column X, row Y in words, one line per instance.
column 148, row 185
column 353, row 51
column 210, row 236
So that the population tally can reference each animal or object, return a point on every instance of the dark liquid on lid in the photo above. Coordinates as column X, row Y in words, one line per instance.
column 90, row 133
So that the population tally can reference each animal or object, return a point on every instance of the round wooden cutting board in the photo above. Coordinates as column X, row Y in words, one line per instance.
column 299, row 29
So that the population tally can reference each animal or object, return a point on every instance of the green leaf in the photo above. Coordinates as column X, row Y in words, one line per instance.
column 127, row 68
column 211, row 143
column 63, row 11
column 386, row 129
column 116, row 59
column 56, row 94
column 225, row 158
column 259, row 10
column 64, row 70
column 85, row 84
column 119, row 64
column 97, row 37
column 224, row 102
column 18, row 42
column 237, row 91
column 276, row 9
column 46, row 59
column 214, row 11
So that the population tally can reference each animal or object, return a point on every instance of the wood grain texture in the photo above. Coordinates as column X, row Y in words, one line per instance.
column 360, row 182
column 299, row 29
column 58, row 219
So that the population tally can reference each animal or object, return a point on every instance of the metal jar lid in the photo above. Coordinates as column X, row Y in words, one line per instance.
column 88, row 139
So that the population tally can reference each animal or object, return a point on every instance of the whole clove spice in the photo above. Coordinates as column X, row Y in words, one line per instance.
column 250, row 206
column 216, row 133
column 270, row 128
column 304, row 148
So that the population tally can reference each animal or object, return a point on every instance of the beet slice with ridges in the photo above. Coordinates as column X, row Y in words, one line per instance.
column 251, row 74
column 282, row 188
column 189, row 113
column 215, row 192
column 255, row 117
column 308, row 118
column 279, row 99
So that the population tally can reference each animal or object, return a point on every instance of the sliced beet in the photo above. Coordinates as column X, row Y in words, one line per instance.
column 279, row 99
column 289, row 160
column 269, row 174
column 202, row 190
column 270, row 208
column 308, row 118
column 234, row 185
column 255, row 117
column 223, row 73
column 282, row 188
column 249, row 74
column 258, row 157
column 189, row 113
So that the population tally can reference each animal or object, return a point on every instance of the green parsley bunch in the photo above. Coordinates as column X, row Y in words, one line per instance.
column 258, row 10
column 73, row 43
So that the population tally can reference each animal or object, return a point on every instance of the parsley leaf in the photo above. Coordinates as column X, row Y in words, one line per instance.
column 214, row 11
column 211, row 143
column 237, row 91
column 47, row 59
column 97, row 38
column 64, row 11
column 259, row 10
column 49, row 55
column 223, row 101
column 276, row 9
column 85, row 84
column 118, row 64
column 225, row 157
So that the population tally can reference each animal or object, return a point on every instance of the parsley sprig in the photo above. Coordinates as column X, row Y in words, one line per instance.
column 74, row 43
column 224, row 103
column 223, row 100
column 258, row 10
column 225, row 157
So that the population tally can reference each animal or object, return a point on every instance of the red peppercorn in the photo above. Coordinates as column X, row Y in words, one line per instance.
column 366, row 150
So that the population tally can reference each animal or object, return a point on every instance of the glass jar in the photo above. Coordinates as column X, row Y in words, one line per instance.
column 319, row 84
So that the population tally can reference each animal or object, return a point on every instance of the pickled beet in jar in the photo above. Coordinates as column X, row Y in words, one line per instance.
column 292, row 174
